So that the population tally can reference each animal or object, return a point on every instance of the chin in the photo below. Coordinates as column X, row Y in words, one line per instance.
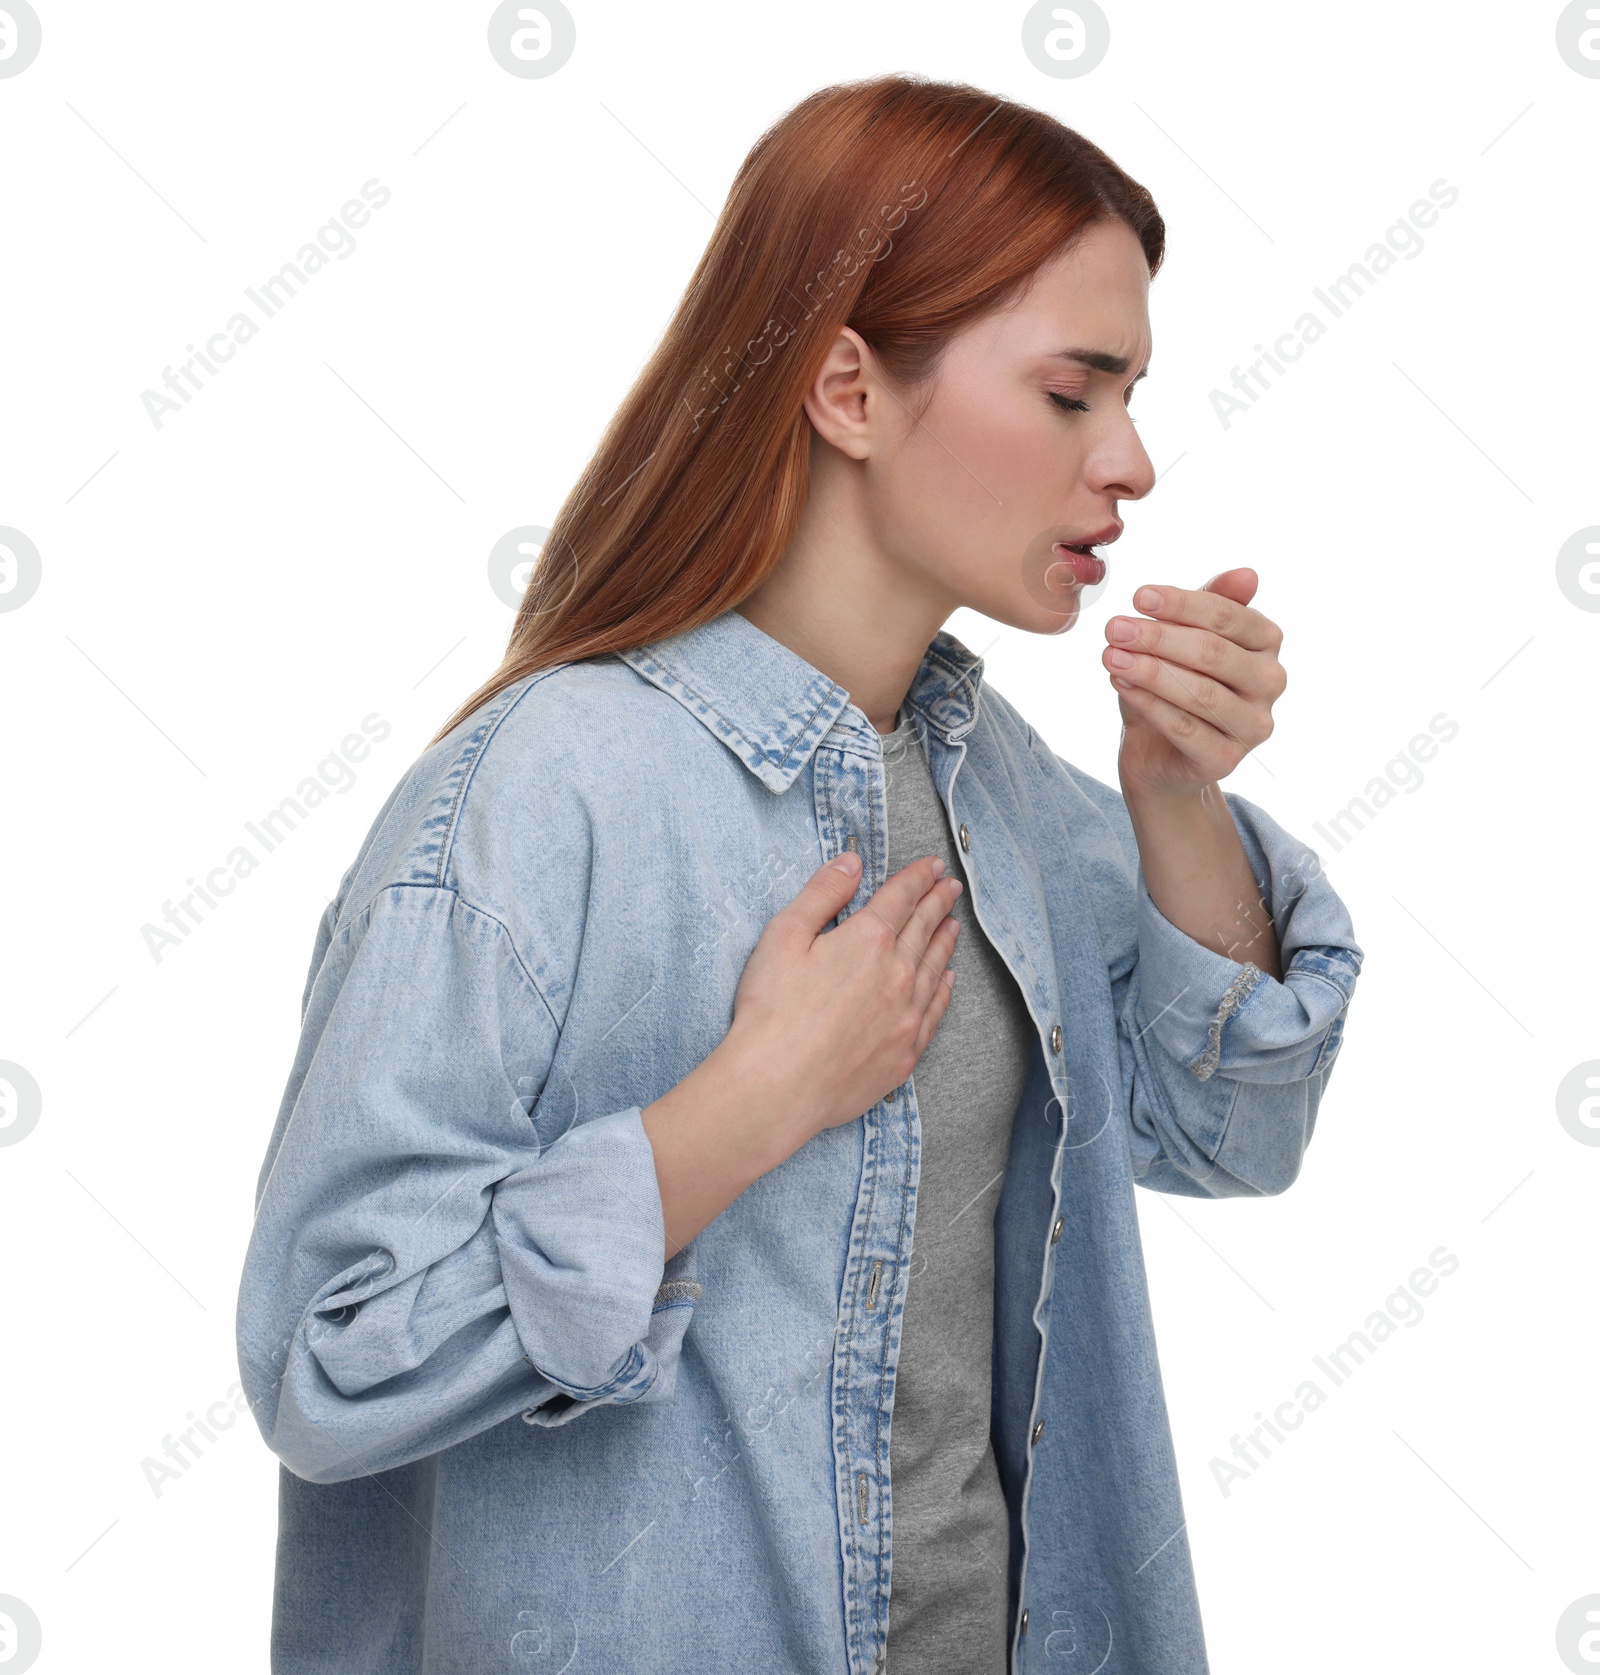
column 1032, row 616
column 1053, row 613
column 1054, row 622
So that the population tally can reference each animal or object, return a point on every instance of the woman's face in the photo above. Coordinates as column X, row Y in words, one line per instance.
column 1026, row 445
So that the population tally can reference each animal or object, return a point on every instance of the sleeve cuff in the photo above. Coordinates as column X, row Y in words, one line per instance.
column 581, row 1237
column 1212, row 1013
column 650, row 1371
column 1188, row 992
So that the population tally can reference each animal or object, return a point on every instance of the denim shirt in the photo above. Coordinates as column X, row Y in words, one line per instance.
column 515, row 1437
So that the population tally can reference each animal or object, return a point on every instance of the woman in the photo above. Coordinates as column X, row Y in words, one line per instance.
column 618, row 1298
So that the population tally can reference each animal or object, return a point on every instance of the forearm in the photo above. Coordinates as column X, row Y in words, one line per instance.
column 713, row 1135
column 1198, row 874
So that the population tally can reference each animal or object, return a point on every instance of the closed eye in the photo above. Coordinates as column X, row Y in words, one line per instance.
column 1068, row 403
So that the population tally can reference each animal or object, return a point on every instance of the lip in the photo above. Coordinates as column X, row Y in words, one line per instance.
column 1086, row 565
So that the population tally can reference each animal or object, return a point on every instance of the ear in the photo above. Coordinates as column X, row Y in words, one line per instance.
column 845, row 402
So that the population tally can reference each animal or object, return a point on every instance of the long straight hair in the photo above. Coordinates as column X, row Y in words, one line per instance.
column 901, row 207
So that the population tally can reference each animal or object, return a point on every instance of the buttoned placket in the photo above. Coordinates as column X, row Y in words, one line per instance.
column 851, row 815
column 1017, row 962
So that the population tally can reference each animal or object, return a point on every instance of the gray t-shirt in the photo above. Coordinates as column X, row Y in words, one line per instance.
column 947, row 1599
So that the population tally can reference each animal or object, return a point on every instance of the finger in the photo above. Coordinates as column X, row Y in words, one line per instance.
column 821, row 898
column 941, row 948
column 1242, row 721
column 896, row 899
column 1239, row 584
column 1242, row 624
column 1212, row 751
column 929, row 915
column 937, row 1007
column 1252, row 674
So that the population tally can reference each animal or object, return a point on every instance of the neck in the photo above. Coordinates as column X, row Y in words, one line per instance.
column 839, row 600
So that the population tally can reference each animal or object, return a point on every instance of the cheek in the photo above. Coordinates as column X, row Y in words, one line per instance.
column 982, row 467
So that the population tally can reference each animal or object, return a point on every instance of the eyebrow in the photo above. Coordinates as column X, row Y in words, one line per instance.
column 1097, row 360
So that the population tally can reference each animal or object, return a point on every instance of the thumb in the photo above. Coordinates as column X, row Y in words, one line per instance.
column 827, row 891
column 1239, row 584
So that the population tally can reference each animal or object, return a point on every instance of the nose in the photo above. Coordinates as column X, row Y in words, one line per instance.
column 1119, row 467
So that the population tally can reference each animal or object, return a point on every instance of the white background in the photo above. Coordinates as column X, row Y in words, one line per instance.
column 225, row 597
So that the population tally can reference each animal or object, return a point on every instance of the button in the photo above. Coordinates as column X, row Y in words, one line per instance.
column 1025, row 1623
column 1038, row 1430
column 1055, row 1232
column 966, row 842
column 1055, row 1039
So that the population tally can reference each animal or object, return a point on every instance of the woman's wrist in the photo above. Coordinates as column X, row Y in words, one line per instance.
column 717, row 1132
column 773, row 1115
column 1198, row 874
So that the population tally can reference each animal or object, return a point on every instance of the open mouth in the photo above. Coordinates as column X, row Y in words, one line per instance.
column 1085, row 563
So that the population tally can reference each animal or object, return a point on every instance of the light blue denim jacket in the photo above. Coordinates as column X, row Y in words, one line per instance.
column 513, row 1439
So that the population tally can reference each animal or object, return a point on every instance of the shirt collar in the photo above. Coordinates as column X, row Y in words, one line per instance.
column 772, row 708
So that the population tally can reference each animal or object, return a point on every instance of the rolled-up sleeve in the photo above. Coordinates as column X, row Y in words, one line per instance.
column 432, row 1254
column 1225, row 1064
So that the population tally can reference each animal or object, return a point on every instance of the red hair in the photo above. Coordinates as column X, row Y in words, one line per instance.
column 901, row 207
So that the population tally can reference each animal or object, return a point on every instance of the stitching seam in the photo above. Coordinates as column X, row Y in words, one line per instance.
column 347, row 928
column 1233, row 998
column 686, row 1290
column 447, row 842
column 724, row 725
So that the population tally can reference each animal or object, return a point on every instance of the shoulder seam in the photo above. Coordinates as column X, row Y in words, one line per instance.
column 448, row 841
column 365, row 912
column 516, row 954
